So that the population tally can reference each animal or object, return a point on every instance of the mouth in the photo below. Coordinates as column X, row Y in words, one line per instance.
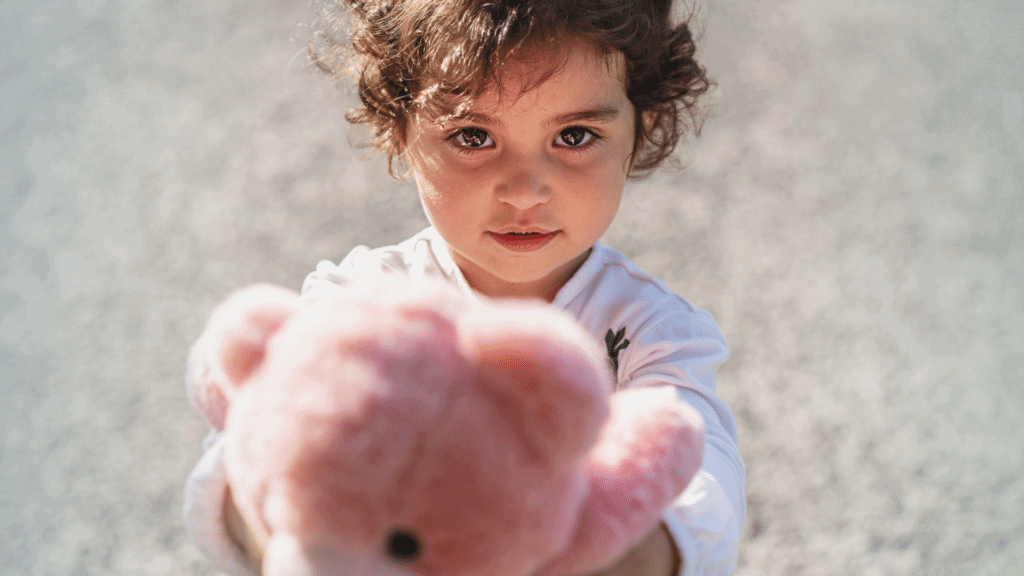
column 523, row 241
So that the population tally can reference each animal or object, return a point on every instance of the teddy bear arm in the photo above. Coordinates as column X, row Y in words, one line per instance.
column 650, row 449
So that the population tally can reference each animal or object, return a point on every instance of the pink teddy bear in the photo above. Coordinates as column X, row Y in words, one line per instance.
column 402, row 428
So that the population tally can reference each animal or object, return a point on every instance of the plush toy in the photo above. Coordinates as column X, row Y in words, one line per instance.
column 402, row 428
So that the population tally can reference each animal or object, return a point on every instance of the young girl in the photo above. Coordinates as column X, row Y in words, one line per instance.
column 520, row 122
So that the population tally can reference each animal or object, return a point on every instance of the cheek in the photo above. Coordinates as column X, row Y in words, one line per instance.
column 431, row 186
column 607, row 174
column 602, row 188
column 440, row 198
column 425, row 187
column 434, row 179
column 612, row 164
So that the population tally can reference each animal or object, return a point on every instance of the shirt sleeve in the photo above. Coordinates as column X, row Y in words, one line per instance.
column 205, row 492
column 328, row 276
column 413, row 257
column 706, row 519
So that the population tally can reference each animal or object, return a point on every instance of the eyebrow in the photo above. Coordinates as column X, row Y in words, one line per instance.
column 605, row 113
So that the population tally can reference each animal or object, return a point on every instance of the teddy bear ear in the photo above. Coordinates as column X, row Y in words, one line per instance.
column 245, row 322
column 233, row 344
column 549, row 373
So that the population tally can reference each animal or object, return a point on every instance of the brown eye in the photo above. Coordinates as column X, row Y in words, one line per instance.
column 574, row 137
column 473, row 138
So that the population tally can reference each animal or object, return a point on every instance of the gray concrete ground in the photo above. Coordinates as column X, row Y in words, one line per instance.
column 852, row 215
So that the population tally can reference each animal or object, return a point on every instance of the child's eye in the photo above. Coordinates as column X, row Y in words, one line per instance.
column 574, row 137
column 472, row 138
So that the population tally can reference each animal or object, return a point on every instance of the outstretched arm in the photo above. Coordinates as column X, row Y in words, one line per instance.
column 655, row 555
column 242, row 533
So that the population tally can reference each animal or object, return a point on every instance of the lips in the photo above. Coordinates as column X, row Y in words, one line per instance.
column 525, row 241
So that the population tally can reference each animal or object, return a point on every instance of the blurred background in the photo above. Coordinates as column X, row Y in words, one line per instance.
column 852, row 215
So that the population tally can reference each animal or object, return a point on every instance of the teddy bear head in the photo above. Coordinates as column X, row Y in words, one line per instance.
column 399, row 429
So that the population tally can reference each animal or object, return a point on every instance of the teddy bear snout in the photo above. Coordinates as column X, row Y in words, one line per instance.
column 403, row 546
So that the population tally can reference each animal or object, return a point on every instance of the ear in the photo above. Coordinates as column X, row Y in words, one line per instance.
column 548, row 373
column 233, row 344
column 244, row 324
column 648, row 117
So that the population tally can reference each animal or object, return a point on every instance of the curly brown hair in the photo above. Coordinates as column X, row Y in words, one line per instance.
column 434, row 57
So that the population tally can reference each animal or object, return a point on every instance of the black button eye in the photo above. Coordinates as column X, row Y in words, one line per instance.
column 403, row 546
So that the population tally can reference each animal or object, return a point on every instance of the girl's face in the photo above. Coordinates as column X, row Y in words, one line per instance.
column 524, row 185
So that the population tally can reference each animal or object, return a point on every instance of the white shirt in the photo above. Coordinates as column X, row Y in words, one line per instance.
column 654, row 338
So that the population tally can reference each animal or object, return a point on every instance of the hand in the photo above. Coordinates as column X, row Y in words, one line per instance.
column 242, row 533
column 655, row 555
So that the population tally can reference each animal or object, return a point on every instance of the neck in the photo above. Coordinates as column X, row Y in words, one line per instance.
column 545, row 288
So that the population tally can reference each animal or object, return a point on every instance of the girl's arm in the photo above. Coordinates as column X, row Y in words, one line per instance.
column 655, row 555
column 241, row 533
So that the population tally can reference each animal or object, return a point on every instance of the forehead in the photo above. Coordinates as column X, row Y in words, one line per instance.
column 573, row 75
column 557, row 78
column 572, row 62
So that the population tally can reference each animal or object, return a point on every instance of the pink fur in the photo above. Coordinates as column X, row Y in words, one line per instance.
column 398, row 411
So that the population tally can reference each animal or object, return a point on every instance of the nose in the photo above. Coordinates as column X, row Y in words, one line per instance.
column 525, row 183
